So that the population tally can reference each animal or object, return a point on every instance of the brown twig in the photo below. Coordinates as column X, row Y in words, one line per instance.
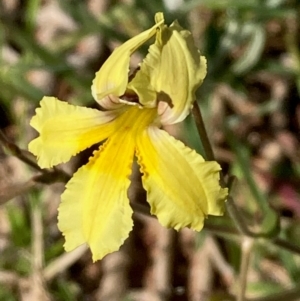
column 160, row 242
column 47, row 176
column 18, row 152
column 113, row 284
column 200, row 273
column 219, row 263
column 38, row 289
column 9, row 192
column 63, row 262
column 8, row 278
column 247, row 245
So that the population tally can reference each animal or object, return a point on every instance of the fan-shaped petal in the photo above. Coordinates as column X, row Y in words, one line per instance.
column 174, row 69
column 182, row 188
column 66, row 130
column 111, row 80
column 95, row 208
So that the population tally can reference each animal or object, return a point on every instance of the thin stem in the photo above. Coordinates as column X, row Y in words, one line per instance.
column 219, row 262
column 237, row 217
column 202, row 132
column 227, row 230
column 235, row 213
column 222, row 230
column 47, row 176
column 286, row 295
column 37, row 284
column 9, row 192
column 284, row 244
column 246, row 254
column 63, row 262
column 18, row 152
column 232, row 209
column 52, row 176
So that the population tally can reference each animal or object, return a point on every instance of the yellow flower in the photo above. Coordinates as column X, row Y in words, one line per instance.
column 182, row 189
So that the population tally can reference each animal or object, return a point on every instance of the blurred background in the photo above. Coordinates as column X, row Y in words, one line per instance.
column 250, row 105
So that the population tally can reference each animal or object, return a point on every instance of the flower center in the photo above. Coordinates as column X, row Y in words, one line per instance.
column 136, row 119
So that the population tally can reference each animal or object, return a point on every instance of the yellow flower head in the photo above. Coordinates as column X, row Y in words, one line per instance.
column 182, row 189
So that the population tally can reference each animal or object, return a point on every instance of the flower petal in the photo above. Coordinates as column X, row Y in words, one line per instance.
column 111, row 80
column 174, row 69
column 95, row 208
column 182, row 188
column 66, row 130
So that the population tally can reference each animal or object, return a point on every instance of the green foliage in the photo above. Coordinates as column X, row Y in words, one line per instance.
column 252, row 47
column 20, row 226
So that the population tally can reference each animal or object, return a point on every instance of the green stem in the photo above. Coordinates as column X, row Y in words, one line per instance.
column 287, row 295
column 227, row 230
column 231, row 207
column 209, row 154
column 284, row 244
